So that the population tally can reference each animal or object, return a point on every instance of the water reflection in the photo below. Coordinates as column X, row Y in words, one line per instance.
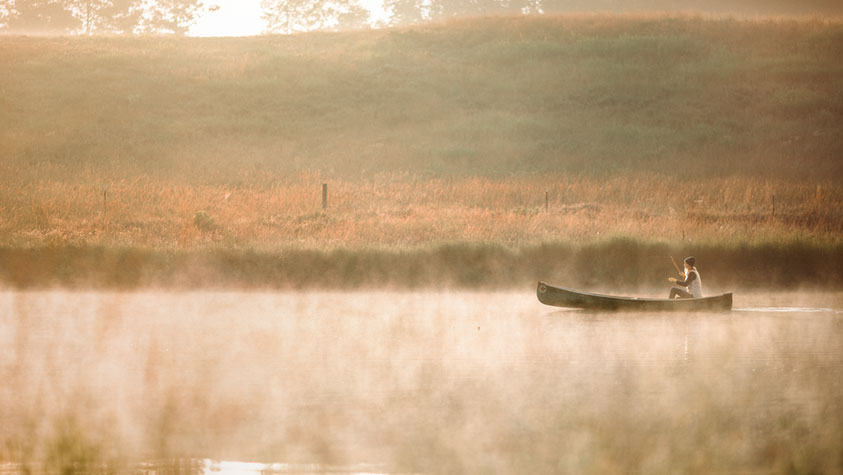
column 785, row 309
column 187, row 466
column 214, row 467
column 392, row 382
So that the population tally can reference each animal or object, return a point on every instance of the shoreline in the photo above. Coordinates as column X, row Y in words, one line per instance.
column 620, row 263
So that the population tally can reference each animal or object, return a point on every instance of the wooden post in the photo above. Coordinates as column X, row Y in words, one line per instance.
column 774, row 203
column 324, row 196
column 546, row 202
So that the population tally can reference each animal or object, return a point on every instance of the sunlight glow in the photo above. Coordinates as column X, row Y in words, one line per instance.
column 233, row 18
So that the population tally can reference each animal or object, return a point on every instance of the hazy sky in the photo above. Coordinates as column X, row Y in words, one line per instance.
column 243, row 18
column 234, row 18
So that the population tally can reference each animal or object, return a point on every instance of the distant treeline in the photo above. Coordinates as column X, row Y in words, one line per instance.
column 613, row 265
column 99, row 16
column 124, row 17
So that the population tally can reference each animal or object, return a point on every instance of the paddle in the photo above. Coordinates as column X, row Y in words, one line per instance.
column 676, row 266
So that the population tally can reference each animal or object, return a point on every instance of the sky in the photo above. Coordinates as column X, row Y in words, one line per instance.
column 243, row 18
column 234, row 18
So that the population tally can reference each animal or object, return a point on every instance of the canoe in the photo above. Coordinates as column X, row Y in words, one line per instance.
column 562, row 297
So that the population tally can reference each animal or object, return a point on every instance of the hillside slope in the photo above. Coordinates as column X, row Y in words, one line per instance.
column 494, row 96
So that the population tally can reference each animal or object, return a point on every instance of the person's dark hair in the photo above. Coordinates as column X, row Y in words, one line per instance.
column 691, row 261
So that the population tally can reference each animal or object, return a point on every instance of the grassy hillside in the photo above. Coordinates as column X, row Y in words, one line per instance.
column 497, row 96
column 136, row 161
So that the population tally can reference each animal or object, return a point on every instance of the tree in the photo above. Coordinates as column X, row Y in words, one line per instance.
column 455, row 8
column 352, row 16
column 289, row 16
column 41, row 16
column 405, row 12
column 752, row 7
column 173, row 16
column 5, row 8
column 109, row 16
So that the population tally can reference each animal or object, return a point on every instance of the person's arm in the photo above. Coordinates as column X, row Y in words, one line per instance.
column 688, row 279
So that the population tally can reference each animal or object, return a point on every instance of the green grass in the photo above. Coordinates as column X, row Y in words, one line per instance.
column 495, row 96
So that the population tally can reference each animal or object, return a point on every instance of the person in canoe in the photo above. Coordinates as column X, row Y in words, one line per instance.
column 691, row 286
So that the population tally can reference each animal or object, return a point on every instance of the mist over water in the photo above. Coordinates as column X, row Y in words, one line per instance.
column 441, row 382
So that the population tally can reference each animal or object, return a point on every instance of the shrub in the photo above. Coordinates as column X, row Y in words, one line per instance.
column 204, row 221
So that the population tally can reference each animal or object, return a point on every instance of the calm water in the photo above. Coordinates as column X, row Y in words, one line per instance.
column 391, row 382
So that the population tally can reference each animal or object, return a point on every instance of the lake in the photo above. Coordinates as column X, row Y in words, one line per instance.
column 415, row 382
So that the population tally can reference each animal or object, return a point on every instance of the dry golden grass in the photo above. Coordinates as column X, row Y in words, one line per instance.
column 396, row 211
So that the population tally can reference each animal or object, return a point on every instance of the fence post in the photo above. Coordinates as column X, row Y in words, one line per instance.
column 774, row 203
column 546, row 201
column 324, row 196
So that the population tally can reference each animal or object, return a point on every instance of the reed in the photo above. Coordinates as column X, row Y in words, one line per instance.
column 397, row 211
column 614, row 265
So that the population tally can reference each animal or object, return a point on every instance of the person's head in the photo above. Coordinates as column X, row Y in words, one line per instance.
column 690, row 262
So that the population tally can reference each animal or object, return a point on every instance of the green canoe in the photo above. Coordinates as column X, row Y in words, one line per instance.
column 562, row 297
